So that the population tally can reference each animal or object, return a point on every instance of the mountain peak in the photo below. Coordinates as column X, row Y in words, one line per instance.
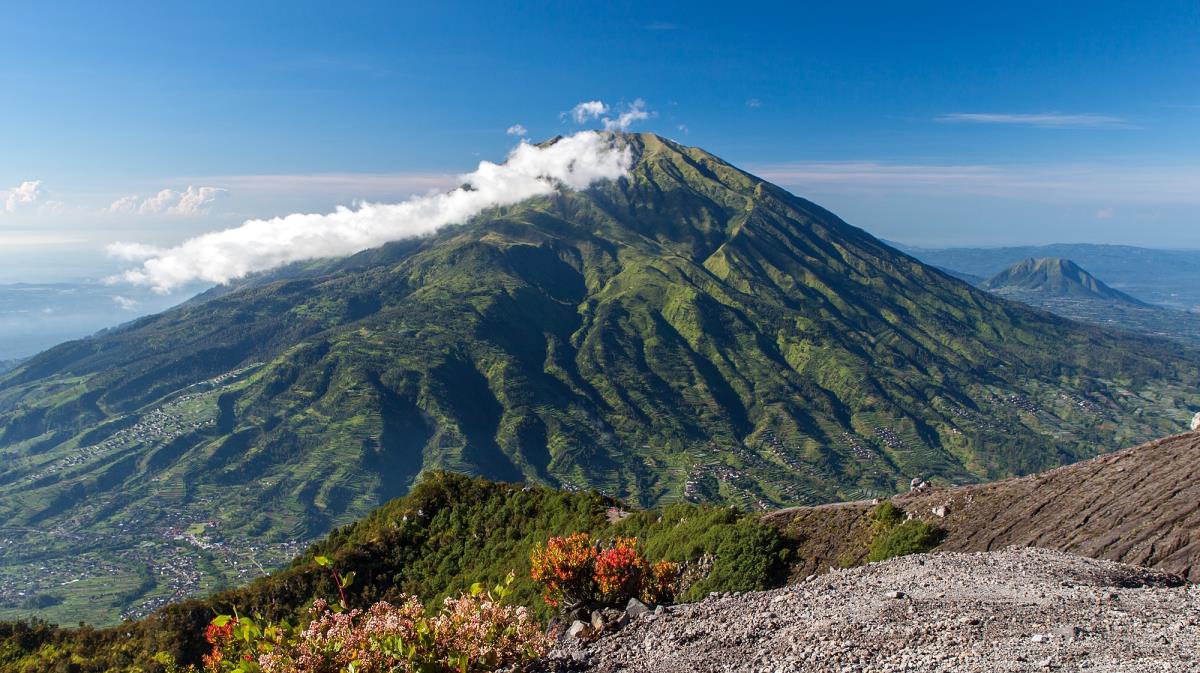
column 1055, row 276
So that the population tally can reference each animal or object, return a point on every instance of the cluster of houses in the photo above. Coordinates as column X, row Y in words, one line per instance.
column 889, row 437
column 1023, row 403
column 161, row 424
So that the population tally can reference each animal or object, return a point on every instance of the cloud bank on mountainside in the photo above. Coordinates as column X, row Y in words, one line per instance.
column 575, row 162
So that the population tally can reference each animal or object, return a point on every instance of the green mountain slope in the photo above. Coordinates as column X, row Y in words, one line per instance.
column 687, row 332
column 1055, row 277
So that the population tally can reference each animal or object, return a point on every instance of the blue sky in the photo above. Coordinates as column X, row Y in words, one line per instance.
column 928, row 123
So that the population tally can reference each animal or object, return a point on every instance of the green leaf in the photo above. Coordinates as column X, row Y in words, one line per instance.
column 323, row 561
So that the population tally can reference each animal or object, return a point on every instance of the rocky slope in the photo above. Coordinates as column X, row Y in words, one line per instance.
column 1010, row 610
column 1140, row 505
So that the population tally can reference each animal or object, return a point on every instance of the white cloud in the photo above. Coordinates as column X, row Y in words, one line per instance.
column 196, row 200
column 574, row 162
column 125, row 303
column 517, row 130
column 592, row 109
column 683, row 129
column 1047, row 120
column 595, row 109
column 126, row 205
column 1105, row 214
column 27, row 193
column 192, row 201
column 636, row 112
column 753, row 103
column 132, row 252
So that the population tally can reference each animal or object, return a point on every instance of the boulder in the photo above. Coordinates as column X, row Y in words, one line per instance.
column 1196, row 422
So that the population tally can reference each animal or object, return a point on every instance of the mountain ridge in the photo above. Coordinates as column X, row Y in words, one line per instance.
column 687, row 332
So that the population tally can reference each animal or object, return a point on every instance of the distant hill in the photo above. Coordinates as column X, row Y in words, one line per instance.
column 1061, row 287
column 1168, row 278
column 1055, row 277
column 1136, row 506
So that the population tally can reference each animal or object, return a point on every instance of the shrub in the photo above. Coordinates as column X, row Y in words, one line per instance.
column 886, row 516
column 574, row 572
column 476, row 631
column 566, row 568
column 893, row 535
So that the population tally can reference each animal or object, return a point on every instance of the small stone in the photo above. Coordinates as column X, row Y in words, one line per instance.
column 1040, row 638
column 579, row 630
column 895, row 594
column 635, row 608
column 968, row 621
column 658, row 610
column 597, row 620
column 1069, row 632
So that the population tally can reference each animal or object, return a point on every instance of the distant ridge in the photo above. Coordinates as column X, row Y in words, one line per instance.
column 1057, row 277
column 1169, row 278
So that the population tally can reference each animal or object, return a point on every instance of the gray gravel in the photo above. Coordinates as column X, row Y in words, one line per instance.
column 1010, row 610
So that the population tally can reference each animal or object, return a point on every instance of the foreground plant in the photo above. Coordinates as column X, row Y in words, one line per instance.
column 575, row 572
column 474, row 632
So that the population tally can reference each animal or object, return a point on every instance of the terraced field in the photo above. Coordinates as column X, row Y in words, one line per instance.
column 155, row 540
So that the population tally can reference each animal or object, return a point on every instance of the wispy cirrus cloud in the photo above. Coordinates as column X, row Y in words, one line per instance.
column 1145, row 184
column 1044, row 120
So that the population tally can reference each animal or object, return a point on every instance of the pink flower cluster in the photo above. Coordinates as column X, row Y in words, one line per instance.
column 474, row 632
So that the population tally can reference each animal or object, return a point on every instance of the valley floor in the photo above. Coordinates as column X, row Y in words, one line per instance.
column 1005, row 611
